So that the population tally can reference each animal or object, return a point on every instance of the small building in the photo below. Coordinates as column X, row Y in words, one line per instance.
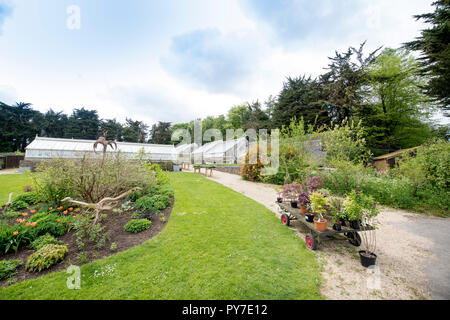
column 382, row 163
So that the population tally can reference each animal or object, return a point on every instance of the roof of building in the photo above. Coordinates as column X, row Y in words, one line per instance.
column 393, row 154
column 78, row 145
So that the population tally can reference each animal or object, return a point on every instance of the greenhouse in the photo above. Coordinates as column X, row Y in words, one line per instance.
column 231, row 151
column 47, row 148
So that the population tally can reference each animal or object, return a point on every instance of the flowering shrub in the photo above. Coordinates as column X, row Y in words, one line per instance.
column 46, row 257
column 290, row 191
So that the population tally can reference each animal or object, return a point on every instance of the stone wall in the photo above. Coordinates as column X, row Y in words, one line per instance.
column 229, row 169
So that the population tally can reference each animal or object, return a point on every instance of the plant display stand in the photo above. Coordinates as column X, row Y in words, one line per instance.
column 185, row 165
column 314, row 238
column 208, row 168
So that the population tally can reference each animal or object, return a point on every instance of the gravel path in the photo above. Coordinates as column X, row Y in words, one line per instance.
column 413, row 253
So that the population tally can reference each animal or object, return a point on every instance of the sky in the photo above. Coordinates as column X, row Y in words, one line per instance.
column 177, row 60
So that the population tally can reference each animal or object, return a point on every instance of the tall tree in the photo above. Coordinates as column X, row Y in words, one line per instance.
column 300, row 97
column 396, row 110
column 434, row 44
column 113, row 128
column 18, row 126
column 135, row 131
column 346, row 82
column 54, row 124
column 83, row 124
column 160, row 133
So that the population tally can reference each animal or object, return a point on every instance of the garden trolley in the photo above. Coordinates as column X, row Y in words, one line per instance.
column 314, row 238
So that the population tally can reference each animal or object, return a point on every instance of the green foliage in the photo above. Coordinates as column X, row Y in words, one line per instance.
column 345, row 142
column 135, row 195
column 358, row 206
column 136, row 226
column 318, row 204
column 154, row 203
column 86, row 231
column 46, row 257
column 301, row 97
column 43, row 241
column 113, row 247
column 29, row 197
column 8, row 268
column 295, row 155
column 394, row 118
column 11, row 214
column 433, row 43
column 51, row 223
column 83, row 179
column 18, row 205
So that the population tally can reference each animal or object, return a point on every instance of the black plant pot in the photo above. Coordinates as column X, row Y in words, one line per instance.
column 354, row 224
column 367, row 261
column 294, row 204
column 337, row 227
column 343, row 222
column 279, row 200
column 309, row 218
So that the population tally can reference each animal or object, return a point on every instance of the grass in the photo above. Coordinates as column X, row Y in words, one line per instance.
column 218, row 244
column 12, row 183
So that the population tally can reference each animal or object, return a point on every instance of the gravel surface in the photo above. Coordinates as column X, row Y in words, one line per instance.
column 413, row 253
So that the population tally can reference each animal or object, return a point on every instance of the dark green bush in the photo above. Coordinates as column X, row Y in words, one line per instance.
column 135, row 195
column 154, row 203
column 8, row 268
column 46, row 257
column 18, row 205
column 136, row 226
column 28, row 197
column 43, row 241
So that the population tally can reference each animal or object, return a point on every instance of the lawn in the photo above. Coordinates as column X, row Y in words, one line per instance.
column 218, row 244
column 12, row 183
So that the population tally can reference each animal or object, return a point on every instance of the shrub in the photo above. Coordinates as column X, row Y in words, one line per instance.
column 51, row 223
column 18, row 205
column 46, row 257
column 11, row 214
column 8, row 268
column 43, row 241
column 135, row 195
column 154, row 203
column 252, row 171
column 86, row 232
column 165, row 190
column 28, row 197
column 136, row 226
column 91, row 179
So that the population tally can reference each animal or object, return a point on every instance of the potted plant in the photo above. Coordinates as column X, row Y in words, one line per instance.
column 279, row 195
column 319, row 205
column 303, row 201
column 368, row 237
column 290, row 192
column 354, row 209
column 338, row 213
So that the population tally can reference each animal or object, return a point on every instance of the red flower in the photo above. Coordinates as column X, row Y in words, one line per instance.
column 15, row 233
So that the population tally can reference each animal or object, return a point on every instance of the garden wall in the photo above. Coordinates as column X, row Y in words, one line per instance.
column 229, row 169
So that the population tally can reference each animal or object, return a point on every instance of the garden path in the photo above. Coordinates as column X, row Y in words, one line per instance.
column 413, row 253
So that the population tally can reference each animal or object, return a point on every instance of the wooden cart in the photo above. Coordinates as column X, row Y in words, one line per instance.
column 314, row 237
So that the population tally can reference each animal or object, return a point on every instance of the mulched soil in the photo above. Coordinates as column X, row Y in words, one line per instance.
column 114, row 224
